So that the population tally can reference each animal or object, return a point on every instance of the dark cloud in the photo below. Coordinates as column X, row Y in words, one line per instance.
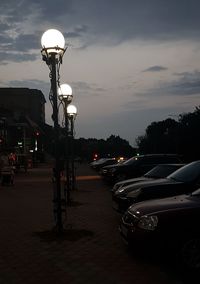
column 5, row 58
column 78, row 32
column 72, row 35
column 25, row 42
column 14, row 12
column 142, row 19
column 17, row 49
column 155, row 69
column 54, row 9
column 187, row 84
column 94, row 21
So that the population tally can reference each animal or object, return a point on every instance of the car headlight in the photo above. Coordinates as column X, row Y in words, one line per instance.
column 148, row 223
column 120, row 189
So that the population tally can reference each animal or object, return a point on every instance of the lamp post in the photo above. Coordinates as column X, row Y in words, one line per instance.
column 53, row 48
column 65, row 96
column 72, row 113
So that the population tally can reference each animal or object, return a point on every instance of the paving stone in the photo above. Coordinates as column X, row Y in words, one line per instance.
column 91, row 250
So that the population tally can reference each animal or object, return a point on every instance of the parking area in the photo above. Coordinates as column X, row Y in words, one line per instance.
column 91, row 249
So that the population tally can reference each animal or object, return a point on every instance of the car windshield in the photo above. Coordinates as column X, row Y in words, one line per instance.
column 188, row 173
column 160, row 171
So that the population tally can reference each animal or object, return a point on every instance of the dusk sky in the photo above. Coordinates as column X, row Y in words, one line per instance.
column 128, row 62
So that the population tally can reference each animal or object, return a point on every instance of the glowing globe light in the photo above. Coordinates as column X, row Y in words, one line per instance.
column 53, row 41
column 65, row 92
column 71, row 110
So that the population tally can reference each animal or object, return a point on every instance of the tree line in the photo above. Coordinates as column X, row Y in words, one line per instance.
column 179, row 136
column 113, row 146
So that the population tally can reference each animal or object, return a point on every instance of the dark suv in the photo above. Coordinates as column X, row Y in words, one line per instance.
column 137, row 166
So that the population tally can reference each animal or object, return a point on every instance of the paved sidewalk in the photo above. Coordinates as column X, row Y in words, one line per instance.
column 91, row 250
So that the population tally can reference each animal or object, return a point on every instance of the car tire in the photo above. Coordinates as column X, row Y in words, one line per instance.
column 190, row 254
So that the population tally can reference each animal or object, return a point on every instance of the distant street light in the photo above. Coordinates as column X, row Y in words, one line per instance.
column 53, row 48
column 65, row 96
column 72, row 113
column 65, row 93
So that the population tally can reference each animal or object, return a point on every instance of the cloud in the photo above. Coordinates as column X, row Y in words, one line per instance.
column 134, row 19
column 155, row 69
column 77, row 32
column 54, row 9
column 122, row 21
column 5, row 57
column 188, row 84
column 23, row 22
column 83, row 88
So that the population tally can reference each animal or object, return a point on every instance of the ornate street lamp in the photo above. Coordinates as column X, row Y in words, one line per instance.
column 53, row 48
column 72, row 113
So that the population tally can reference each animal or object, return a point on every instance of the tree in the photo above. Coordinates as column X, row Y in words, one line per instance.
column 159, row 137
column 113, row 146
column 170, row 136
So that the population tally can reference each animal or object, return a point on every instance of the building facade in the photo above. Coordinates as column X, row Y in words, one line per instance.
column 24, row 102
column 22, row 119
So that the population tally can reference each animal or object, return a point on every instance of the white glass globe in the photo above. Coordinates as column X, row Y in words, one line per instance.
column 71, row 110
column 65, row 90
column 53, row 38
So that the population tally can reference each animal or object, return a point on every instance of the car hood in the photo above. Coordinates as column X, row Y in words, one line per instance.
column 133, row 180
column 157, row 206
column 147, row 183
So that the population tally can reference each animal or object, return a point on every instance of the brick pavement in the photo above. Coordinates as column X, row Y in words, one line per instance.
column 91, row 250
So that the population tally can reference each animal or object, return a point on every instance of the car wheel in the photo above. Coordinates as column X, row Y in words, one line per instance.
column 120, row 177
column 190, row 254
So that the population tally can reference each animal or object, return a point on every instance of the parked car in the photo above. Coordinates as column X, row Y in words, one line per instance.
column 103, row 162
column 93, row 163
column 184, row 180
column 159, row 171
column 136, row 166
column 171, row 223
